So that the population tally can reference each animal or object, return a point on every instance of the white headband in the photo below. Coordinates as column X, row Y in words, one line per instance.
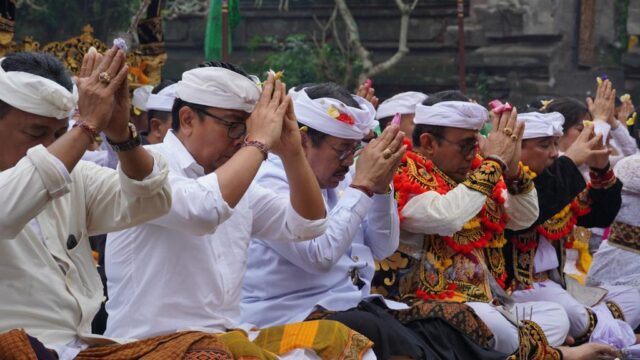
column 537, row 125
column 141, row 96
column 163, row 100
column 403, row 103
column 218, row 87
column 333, row 117
column 35, row 94
column 457, row 114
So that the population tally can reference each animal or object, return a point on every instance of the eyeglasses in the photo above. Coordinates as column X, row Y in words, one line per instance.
column 346, row 152
column 235, row 129
column 465, row 147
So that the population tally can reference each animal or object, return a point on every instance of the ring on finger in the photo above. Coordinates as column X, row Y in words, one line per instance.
column 386, row 154
column 104, row 77
column 514, row 137
column 507, row 131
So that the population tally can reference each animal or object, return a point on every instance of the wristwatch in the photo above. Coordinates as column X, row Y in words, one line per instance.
column 133, row 142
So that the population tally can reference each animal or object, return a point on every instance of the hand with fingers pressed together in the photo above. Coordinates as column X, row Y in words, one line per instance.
column 290, row 142
column 379, row 160
column 266, row 121
column 588, row 149
column 504, row 143
column 368, row 93
column 626, row 110
column 101, row 84
column 602, row 108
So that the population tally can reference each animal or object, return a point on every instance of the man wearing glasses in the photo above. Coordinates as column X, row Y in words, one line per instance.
column 184, row 270
column 454, row 208
column 330, row 276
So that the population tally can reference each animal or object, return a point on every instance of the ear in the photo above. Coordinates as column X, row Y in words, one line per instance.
column 188, row 117
column 427, row 143
column 154, row 126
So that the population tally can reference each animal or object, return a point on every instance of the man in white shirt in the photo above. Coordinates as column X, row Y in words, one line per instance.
column 52, row 202
column 159, row 107
column 287, row 282
column 184, row 270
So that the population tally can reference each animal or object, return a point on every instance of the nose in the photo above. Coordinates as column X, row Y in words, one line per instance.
column 554, row 152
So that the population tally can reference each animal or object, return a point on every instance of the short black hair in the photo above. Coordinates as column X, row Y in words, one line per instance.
column 538, row 103
column 332, row 90
column 41, row 64
column 179, row 103
column 435, row 130
column 447, row 95
column 572, row 109
column 326, row 90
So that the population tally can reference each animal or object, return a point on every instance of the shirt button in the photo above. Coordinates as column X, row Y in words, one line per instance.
column 355, row 258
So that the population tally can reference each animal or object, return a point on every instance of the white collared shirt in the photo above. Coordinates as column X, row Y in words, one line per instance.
column 49, row 285
column 184, row 270
column 285, row 282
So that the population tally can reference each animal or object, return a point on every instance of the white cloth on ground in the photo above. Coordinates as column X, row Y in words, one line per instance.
column 551, row 318
column 184, row 270
column 359, row 230
column 626, row 298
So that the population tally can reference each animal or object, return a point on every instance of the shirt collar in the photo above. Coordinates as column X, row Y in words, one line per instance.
column 182, row 155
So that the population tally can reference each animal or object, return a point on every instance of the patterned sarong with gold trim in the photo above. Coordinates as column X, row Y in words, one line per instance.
column 329, row 340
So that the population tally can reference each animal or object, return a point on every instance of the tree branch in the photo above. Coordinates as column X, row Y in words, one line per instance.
column 133, row 28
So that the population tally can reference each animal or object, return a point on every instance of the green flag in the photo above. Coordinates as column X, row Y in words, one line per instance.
column 213, row 35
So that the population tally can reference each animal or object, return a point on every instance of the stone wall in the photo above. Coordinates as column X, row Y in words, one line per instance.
column 515, row 49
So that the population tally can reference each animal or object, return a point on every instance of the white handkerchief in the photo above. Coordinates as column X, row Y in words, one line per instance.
column 601, row 127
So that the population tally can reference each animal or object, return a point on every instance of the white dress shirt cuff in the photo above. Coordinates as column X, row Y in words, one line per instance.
column 54, row 174
column 304, row 229
column 151, row 184
column 211, row 184
column 356, row 201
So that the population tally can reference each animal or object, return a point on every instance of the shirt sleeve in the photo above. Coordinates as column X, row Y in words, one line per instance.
column 198, row 207
column 323, row 252
column 522, row 210
column 432, row 213
column 115, row 202
column 274, row 218
column 382, row 226
column 27, row 187
column 624, row 140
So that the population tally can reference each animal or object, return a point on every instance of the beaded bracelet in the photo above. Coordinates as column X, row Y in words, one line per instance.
column 88, row 129
column 258, row 145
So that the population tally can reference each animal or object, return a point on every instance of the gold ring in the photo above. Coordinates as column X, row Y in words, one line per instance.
column 514, row 137
column 507, row 131
column 104, row 77
column 386, row 154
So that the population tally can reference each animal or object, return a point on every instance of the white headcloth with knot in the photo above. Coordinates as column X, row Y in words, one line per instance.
column 456, row 114
column 537, row 125
column 36, row 95
column 333, row 117
column 218, row 87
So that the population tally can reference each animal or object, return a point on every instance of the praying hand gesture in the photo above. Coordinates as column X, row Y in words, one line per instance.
column 505, row 140
column 602, row 108
column 368, row 93
column 103, row 90
column 379, row 160
column 588, row 149
column 266, row 121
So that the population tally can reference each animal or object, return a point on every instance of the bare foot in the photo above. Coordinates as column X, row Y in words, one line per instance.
column 590, row 351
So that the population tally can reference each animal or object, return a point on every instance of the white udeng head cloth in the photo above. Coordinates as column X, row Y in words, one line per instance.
column 457, row 114
column 537, row 125
column 403, row 103
column 36, row 95
column 218, row 87
column 141, row 96
column 163, row 100
column 331, row 116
